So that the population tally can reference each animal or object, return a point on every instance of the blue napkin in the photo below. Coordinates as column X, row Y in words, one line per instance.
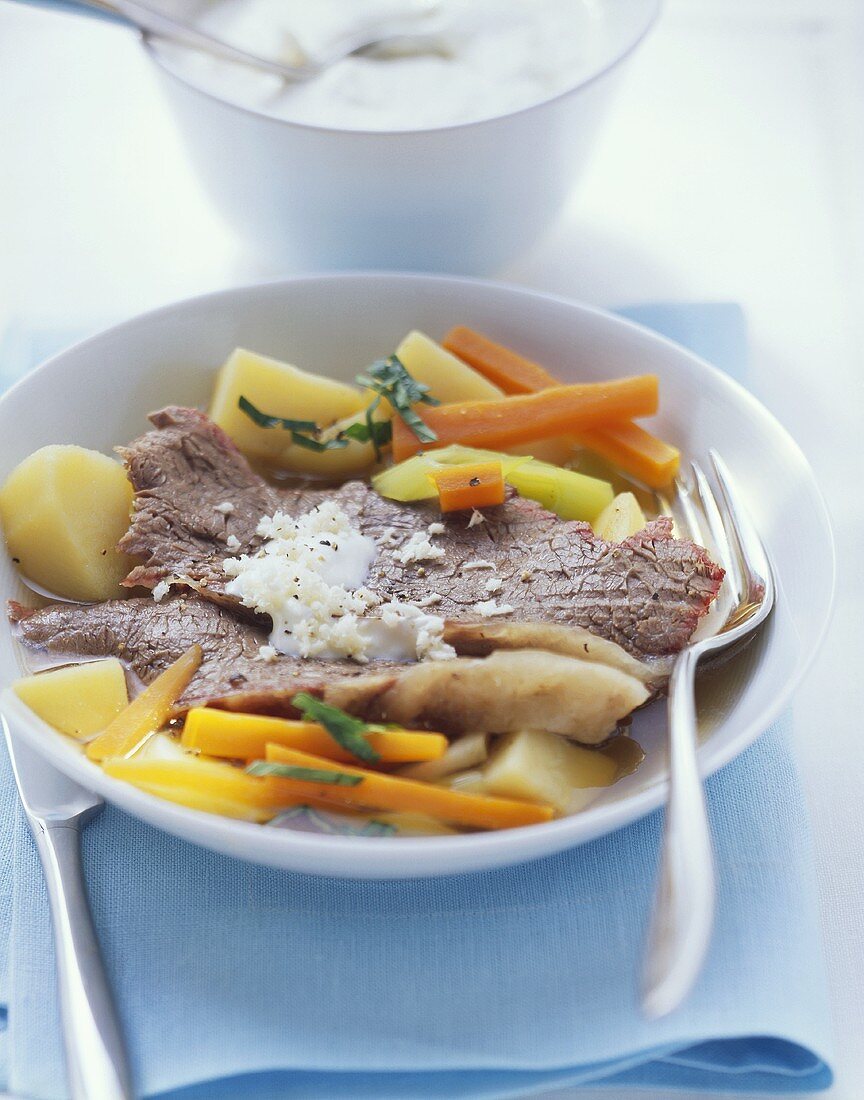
column 237, row 981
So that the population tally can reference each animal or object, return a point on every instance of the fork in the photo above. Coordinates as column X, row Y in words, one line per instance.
column 56, row 809
column 683, row 914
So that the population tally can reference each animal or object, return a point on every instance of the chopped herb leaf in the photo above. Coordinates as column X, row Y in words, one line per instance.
column 312, row 444
column 304, row 433
column 377, row 828
column 345, row 729
column 378, row 432
column 332, row 823
column 310, row 775
column 264, row 420
column 389, row 378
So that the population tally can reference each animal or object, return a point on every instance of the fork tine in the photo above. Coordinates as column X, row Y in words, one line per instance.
column 729, row 555
column 757, row 568
column 688, row 510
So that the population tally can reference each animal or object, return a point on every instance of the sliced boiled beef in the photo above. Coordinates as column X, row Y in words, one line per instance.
column 501, row 693
column 198, row 501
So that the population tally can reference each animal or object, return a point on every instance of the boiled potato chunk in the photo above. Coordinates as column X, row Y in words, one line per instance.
column 63, row 510
column 448, row 378
column 620, row 519
column 79, row 700
column 277, row 389
column 543, row 767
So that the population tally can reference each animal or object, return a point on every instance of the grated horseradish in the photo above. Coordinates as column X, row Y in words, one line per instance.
column 309, row 577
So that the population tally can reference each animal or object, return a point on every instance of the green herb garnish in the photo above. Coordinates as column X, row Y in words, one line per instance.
column 345, row 729
column 311, row 775
column 378, row 432
column 264, row 420
column 389, row 378
column 377, row 828
column 334, row 826
column 305, row 433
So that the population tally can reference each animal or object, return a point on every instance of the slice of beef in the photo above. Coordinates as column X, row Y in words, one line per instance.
column 500, row 693
column 193, row 492
column 148, row 636
column 647, row 594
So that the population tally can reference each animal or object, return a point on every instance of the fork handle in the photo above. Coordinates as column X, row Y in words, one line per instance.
column 683, row 915
column 96, row 1062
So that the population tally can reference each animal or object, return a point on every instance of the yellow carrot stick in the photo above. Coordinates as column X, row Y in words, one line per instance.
column 388, row 792
column 245, row 736
column 209, row 785
column 149, row 711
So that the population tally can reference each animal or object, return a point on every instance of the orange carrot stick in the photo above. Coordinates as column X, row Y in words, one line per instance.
column 377, row 791
column 471, row 485
column 526, row 417
column 512, row 372
column 632, row 449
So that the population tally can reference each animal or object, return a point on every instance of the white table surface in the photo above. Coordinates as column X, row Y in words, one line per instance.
column 733, row 169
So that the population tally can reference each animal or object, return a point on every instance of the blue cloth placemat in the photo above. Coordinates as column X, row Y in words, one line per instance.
column 236, row 981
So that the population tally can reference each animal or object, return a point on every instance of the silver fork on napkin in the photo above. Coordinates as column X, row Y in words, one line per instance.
column 56, row 808
column 683, row 916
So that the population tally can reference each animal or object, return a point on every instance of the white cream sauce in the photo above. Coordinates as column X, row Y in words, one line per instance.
column 501, row 55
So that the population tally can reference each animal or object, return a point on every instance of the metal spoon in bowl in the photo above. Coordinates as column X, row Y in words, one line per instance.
column 379, row 39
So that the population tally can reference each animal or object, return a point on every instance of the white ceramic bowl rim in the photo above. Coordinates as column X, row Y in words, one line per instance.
column 426, row 850
column 652, row 12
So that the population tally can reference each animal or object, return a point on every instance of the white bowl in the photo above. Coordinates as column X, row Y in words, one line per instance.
column 98, row 392
column 464, row 198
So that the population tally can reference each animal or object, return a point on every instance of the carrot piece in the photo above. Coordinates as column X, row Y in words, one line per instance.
column 631, row 448
column 149, row 711
column 499, row 424
column 507, row 369
column 378, row 791
column 245, row 737
column 470, row 485
column 634, row 451
column 210, row 785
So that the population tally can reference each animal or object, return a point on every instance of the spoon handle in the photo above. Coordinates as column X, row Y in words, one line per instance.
column 156, row 24
column 683, row 914
column 94, row 9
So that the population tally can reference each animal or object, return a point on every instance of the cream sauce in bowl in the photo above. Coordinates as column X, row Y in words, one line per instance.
column 500, row 56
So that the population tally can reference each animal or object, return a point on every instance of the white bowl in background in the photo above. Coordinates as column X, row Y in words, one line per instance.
column 464, row 198
column 98, row 392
